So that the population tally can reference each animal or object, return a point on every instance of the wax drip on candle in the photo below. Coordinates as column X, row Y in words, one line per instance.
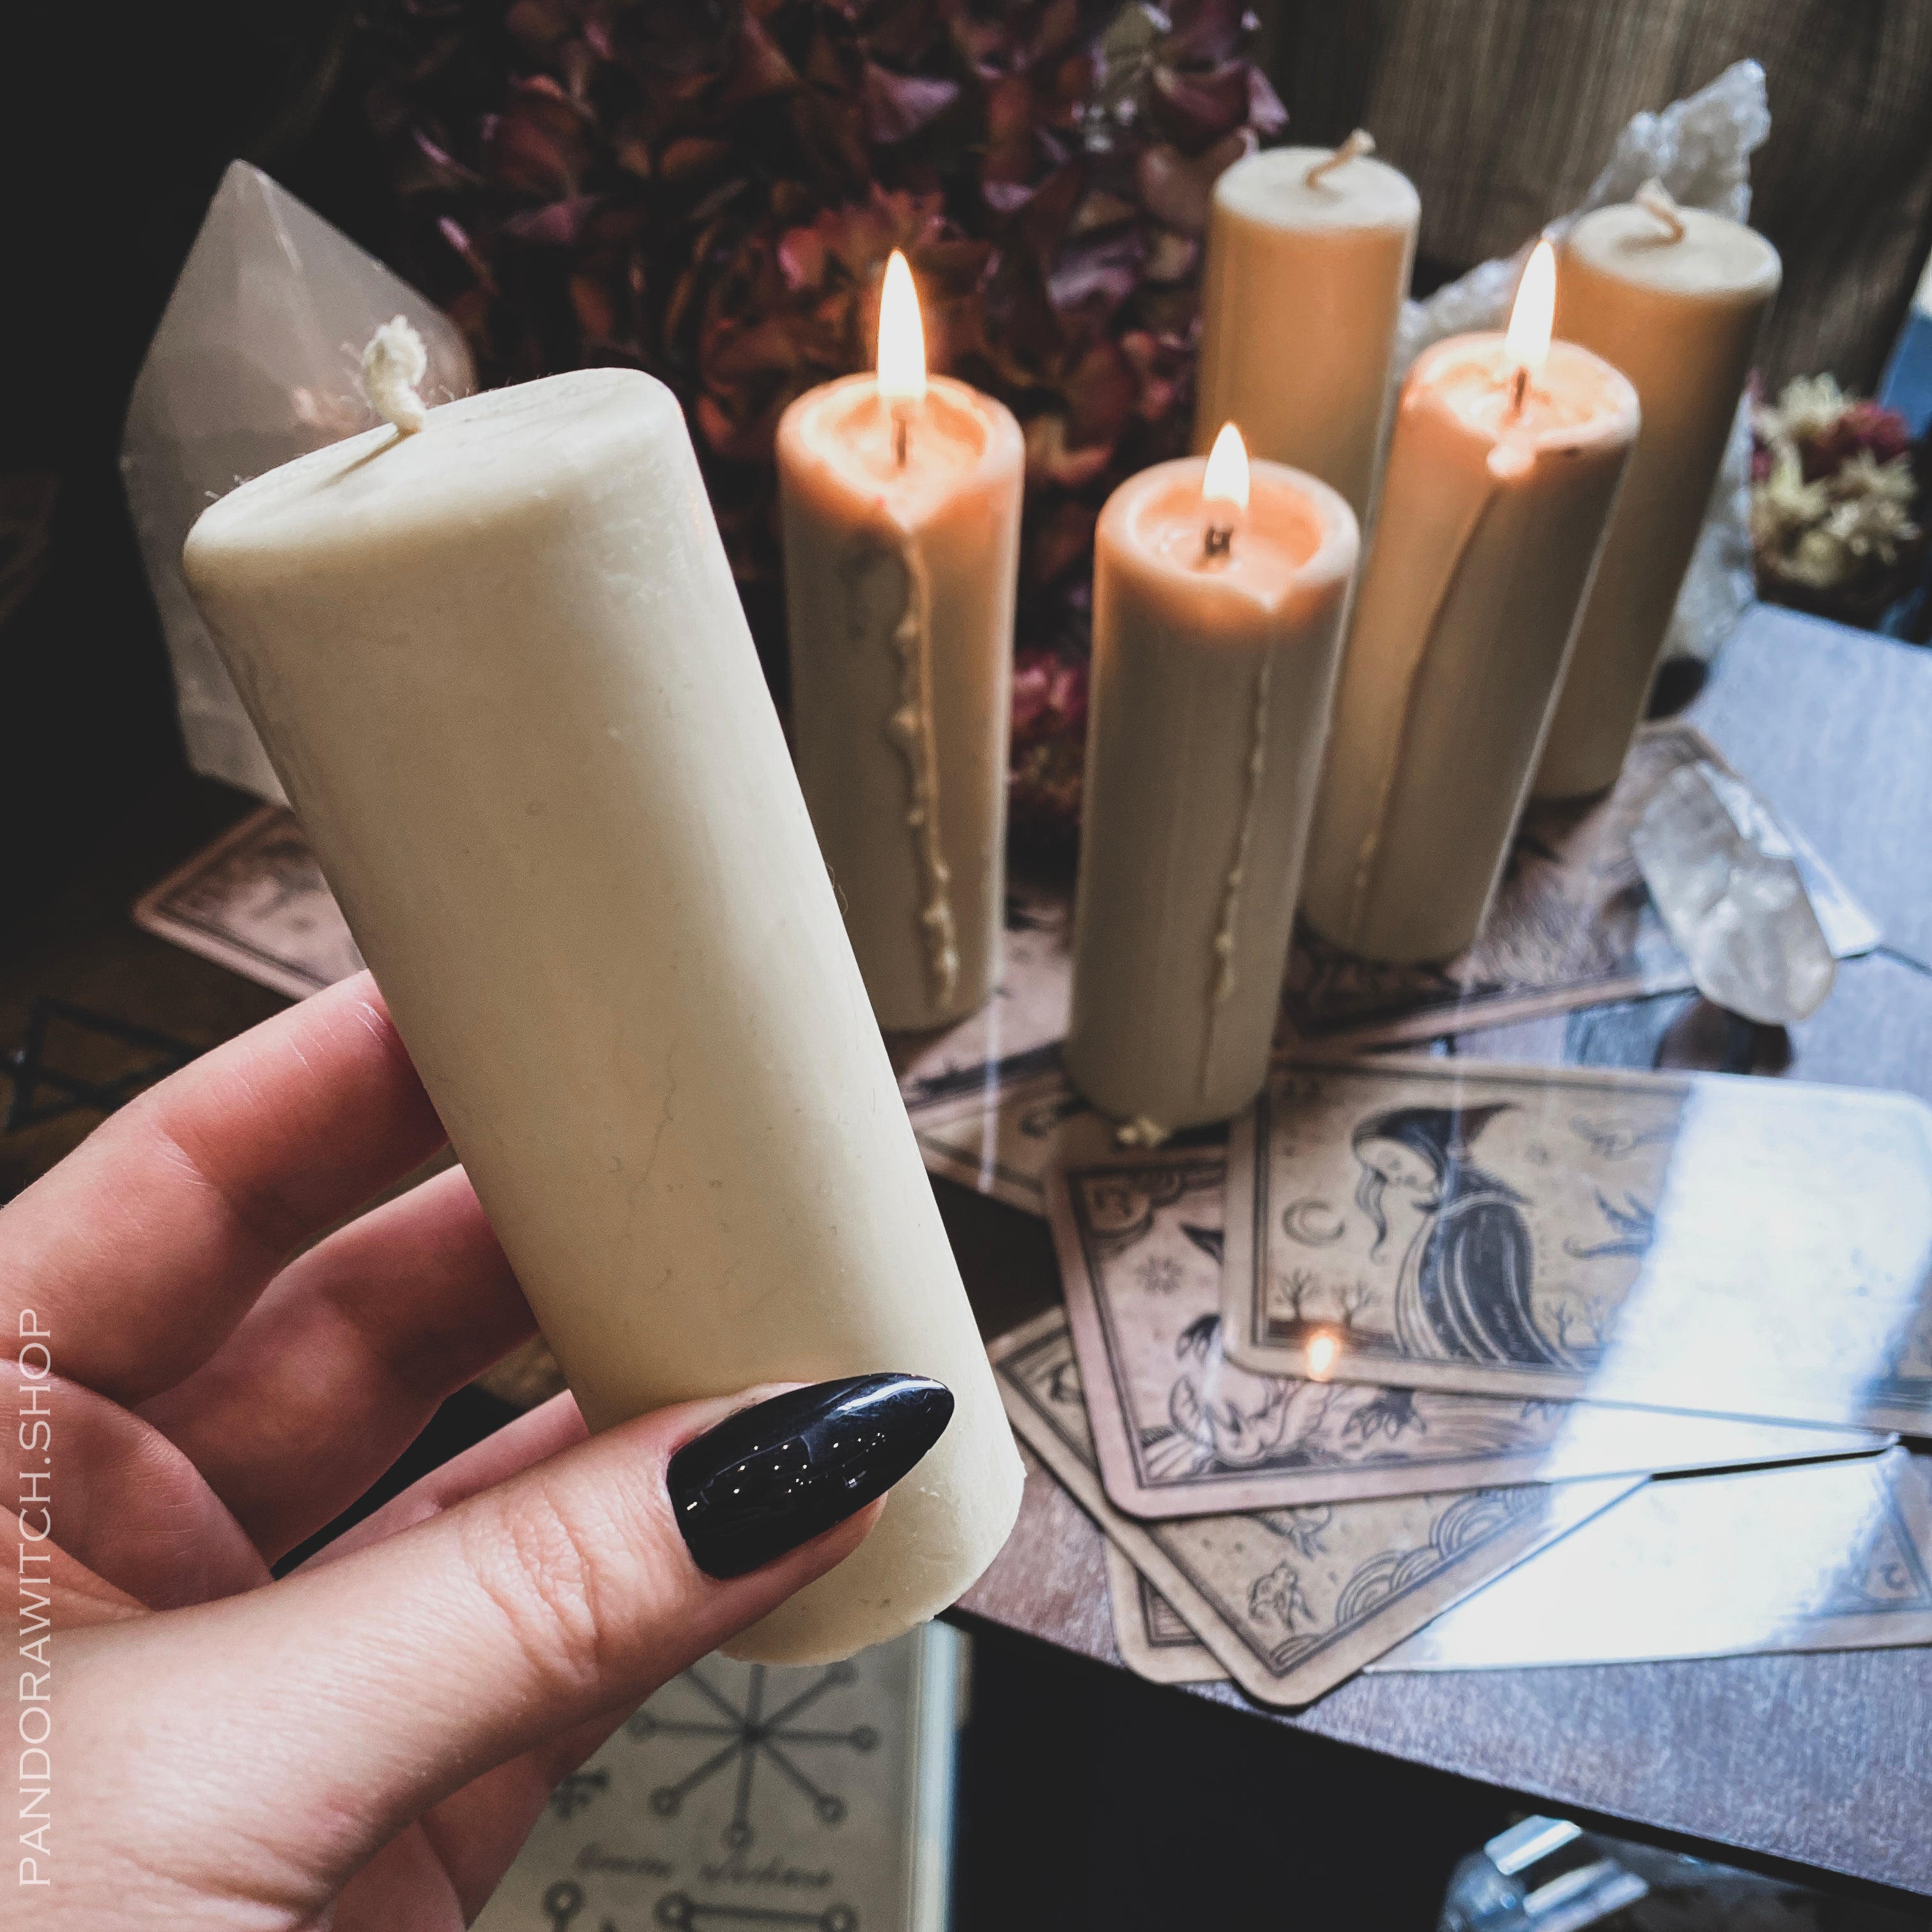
column 1360, row 142
column 1228, row 933
column 911, row 729
column 1654, row 199
column 393, row 365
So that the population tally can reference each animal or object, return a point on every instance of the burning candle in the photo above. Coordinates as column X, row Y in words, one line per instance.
column 502, row 669
column 1309, row 251
column 899, row 497
column 1676, row 298
column 1219, row 590
column 1505, row 461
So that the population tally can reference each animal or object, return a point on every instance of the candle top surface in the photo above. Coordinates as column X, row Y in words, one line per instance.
column 505, row 456
column 955, row 437
column 1272, row 189
column 1715, row 257
column 1576, row 401
column 1297, row 536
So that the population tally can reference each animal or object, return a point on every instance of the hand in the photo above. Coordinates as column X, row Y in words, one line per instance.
column 372, row 1736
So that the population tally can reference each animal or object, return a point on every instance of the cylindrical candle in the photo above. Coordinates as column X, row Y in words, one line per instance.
column 1501, row 480
column 901, row 519
column 1309, row 252
column 503, row 673
column 1213, row 673
column 1674, row 297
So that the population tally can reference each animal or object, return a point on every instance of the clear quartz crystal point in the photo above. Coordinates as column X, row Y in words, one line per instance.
column 1726, row 881
column 257, row 359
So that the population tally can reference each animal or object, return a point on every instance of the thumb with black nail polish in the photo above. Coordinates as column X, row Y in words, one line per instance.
column 777, row 1474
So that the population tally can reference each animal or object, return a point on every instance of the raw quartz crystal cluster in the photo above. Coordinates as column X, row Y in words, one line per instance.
column 1727, row 884
column 1699, row 149
column 257, row 360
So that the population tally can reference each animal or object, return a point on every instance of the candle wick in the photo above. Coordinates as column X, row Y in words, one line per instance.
column 1654, row 199
column 899, row 417
column 1519, row 389
column 393, row 365
column 1217, row 540
column 1360, row 142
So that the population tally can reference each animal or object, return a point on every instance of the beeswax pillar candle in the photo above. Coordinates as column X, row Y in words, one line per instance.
column 502, row 669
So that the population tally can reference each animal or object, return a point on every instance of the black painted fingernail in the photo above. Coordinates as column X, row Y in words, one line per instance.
column 775, row 1475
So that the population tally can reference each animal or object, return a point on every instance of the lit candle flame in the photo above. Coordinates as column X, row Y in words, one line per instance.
column 1528, row 345
column 901, row 337
column 1226, row 480
column 1322, row 1349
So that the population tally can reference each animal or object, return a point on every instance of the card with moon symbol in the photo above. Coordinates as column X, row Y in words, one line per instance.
column 1180, row 1430
column 1289, row 1602
column 1834, row 1556
column 1741, row 1247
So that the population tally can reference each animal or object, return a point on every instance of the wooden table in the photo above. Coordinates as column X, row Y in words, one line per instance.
column 1821, row 1762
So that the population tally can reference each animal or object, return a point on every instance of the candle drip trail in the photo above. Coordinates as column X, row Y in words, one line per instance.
column 1227, row 934
column 393, row 365
column 1360, row 142
column 1654, row 199
column 911, row 729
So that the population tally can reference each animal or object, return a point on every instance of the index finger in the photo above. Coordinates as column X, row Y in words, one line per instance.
column 143, row 1250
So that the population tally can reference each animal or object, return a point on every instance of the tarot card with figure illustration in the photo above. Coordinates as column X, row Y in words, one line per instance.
column 1179, row 1429
column 1289, row 1602
column 1742, row 1247
column 1834, row 1556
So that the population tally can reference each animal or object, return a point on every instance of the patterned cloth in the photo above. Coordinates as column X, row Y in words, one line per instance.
column 1501, row 111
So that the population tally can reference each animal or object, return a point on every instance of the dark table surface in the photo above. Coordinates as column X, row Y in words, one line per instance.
column 1822, row 1762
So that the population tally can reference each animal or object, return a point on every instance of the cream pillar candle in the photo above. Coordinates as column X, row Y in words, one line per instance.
column 502, row 671
column 1676, row 299
column 1308, row 253
column 1502, row 470
column 900, row 501
column 1216, row 631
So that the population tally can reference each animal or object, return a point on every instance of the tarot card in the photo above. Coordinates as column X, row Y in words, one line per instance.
column 1290, row 1602
column 1151, row 1634
column 256, row 902
column 1742, row 1247
column 1833, row 1556
column 1572, row 925
column 1180, row 1430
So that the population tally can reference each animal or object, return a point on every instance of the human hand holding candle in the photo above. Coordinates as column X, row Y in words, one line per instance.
column 502, row 670
column 1508, row 453
column 1218, row 592
column 899, row 496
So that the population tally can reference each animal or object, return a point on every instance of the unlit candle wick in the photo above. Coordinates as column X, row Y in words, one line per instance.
column 1360, row 142
column 1654, row 199
column 393, row 365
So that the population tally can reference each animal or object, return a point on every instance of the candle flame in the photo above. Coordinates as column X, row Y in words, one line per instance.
column 1535, row 311
column 902, row 337
column 1323, row 1348
column 1226, row 480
